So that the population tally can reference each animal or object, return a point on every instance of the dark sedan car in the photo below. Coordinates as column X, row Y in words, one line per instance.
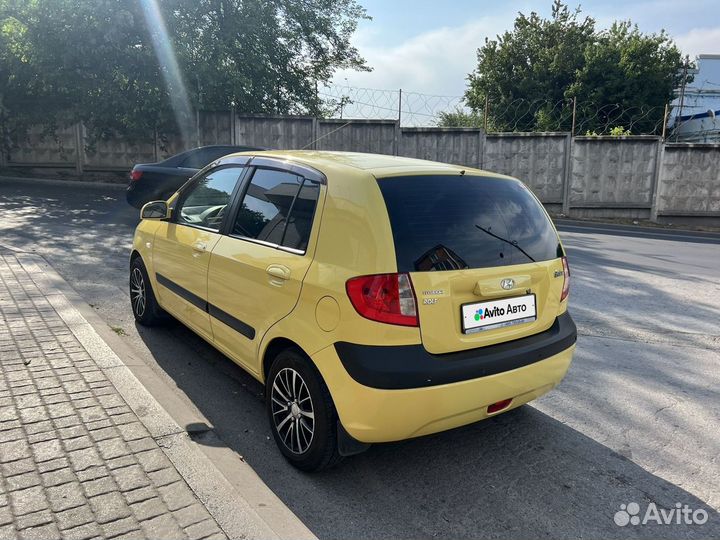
column 158, row 181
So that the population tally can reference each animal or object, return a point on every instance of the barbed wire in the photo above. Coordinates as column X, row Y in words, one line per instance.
column 413, row 108
column 418, row 109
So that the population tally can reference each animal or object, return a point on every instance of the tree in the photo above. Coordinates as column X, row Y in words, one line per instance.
column 460, row 118
column 525, row 72
column 71, row 60
column 128, row 66
column 626, row 80
column 530, row 75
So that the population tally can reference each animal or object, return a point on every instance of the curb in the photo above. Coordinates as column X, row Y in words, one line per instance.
column 238, row 500
column 571, row 225
column 70, row 183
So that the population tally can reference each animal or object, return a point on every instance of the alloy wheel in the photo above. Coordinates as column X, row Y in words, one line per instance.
column 292, row 410
column 137, row 292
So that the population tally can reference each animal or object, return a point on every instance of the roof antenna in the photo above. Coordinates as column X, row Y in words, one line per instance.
column 462, row 172
column 312, row 143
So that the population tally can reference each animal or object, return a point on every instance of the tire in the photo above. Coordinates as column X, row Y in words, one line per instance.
column 142, row 298
column 305, row 432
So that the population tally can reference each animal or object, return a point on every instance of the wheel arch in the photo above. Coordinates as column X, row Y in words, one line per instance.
column 273, row 348
column 134, row 254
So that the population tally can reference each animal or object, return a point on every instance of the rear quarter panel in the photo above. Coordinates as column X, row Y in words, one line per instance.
column 354, row 239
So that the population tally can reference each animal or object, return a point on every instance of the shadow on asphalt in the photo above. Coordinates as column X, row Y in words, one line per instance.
column 521, row 474
column 79, row 225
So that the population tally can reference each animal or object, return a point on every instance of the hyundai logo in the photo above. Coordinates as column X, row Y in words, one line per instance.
column 507, row 283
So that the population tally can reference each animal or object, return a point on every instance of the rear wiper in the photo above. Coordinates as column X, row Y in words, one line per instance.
column 513, row 243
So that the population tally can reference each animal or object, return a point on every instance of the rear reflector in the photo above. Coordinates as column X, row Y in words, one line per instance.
column 135, row 175
column 499, row 406
column 566, row 279
column 387, row 298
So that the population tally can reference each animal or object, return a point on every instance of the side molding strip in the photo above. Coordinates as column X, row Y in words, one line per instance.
column 225, row 318
column 236, row 324
column 182, row 292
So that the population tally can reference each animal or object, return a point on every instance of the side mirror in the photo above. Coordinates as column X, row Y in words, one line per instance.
column 155, row 210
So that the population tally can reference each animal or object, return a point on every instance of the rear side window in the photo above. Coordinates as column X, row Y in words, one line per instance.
column 457, row 222
column 278, row 207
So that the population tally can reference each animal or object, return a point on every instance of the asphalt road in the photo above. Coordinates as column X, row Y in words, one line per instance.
column 636, row 419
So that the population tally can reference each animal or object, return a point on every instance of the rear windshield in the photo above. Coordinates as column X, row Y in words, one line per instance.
column 456, row 222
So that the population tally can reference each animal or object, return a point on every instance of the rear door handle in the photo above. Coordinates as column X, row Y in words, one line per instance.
column 278, row 271
column 198, row 249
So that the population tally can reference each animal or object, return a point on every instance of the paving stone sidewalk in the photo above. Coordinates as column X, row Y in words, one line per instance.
column 75, row 460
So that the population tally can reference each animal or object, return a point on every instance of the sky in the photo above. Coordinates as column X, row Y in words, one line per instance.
column 429, row 47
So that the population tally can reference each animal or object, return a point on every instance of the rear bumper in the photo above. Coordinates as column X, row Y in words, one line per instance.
column 411, row 366
column 371, row 414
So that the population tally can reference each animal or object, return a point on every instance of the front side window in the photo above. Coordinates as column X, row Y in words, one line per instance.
column 206, row 202
column 278, row 208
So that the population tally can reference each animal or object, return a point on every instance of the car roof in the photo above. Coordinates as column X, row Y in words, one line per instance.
column 379, row 165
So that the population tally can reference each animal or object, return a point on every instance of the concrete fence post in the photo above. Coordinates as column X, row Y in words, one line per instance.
column 197, row 128
column 480, row 147
column 483, row 149
column 567, row 174
column 396, row 138
column 657, row 178
column 315, row 132
column 79, row 130
column 232, row 125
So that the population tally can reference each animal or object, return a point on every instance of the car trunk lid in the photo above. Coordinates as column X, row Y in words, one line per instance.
column 463, row 309
column 483, row 257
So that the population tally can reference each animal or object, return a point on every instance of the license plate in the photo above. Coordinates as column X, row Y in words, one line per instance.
column 482, row 316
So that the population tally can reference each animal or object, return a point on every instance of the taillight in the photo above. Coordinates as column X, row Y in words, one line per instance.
column 387, row 298
column 566, row 279
column 135, row 175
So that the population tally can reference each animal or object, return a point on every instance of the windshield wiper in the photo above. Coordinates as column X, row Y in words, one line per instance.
column 513, row 243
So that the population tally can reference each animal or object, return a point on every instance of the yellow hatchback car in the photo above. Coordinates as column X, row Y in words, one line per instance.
column 377, row 298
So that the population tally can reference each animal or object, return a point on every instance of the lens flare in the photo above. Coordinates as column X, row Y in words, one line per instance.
column 170, row 70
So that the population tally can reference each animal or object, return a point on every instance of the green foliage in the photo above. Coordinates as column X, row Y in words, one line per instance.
column 616, row 131
column 95, row 60
column 619, row 131
column 459, row 118
column 632, row 72
column 535, row 63
column 531, row 74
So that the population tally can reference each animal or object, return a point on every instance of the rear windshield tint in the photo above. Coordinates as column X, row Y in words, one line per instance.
column 456, row 222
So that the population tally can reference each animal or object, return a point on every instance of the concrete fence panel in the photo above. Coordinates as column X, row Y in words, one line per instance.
column 460, row 146
column 633, row 176
column 275, row 132
column 169, row 145
column 613, row 171
column 376, row 136
column 690, row 180
column 215, row 127
column 118, row 154
column 538, row 159
column 42, row 149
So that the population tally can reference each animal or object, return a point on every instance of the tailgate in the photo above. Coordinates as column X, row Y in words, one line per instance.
column 482, row 253
column 464, row 309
